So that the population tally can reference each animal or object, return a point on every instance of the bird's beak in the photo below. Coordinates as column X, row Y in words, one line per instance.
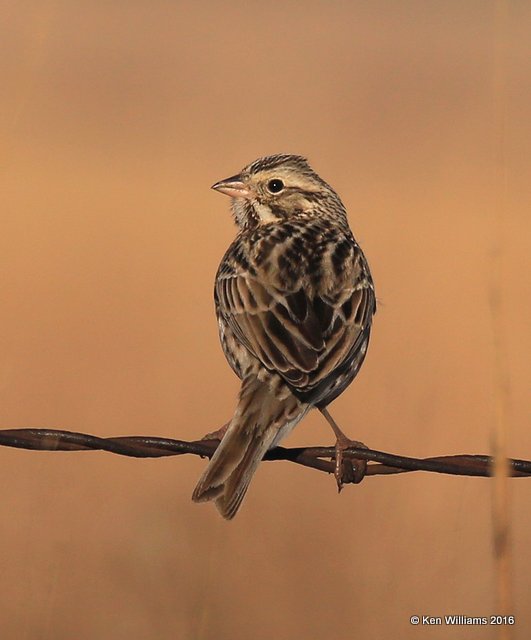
column 233, row 187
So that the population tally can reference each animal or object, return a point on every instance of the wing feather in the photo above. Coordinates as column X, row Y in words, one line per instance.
column 303, row 334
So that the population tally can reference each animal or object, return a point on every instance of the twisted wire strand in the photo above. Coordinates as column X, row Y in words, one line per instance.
column 319, row 458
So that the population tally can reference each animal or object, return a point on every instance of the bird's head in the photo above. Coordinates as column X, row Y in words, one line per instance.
column 275, row 188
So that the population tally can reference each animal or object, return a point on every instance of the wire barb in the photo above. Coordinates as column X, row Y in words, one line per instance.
column 319, row 458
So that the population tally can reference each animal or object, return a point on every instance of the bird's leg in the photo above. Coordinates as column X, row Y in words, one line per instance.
column 349, row 470
column 217, row 434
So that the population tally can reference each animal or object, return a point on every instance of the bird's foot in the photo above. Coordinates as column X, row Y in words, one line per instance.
column 348, row 469
column 217, row 434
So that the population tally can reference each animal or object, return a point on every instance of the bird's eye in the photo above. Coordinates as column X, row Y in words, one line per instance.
column 275, row 186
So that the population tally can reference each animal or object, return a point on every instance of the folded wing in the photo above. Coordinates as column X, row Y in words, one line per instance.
column 304, row 334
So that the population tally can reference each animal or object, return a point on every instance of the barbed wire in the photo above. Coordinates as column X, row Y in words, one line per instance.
column 319, row 458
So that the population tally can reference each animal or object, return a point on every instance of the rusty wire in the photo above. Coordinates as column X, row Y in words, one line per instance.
column 320, row 458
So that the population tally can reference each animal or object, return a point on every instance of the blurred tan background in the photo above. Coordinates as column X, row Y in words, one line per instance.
column 115, row 119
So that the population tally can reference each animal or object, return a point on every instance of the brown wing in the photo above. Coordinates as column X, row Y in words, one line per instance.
column 277, row 328
column 348, row 329
column 304, row 338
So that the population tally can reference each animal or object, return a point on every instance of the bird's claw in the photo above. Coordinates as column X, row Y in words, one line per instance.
column 348, row 469
column 217, row 434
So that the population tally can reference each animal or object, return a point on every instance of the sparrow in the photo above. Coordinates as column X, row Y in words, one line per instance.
column 294, row 300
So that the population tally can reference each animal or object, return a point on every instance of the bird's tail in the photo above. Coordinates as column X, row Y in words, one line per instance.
column 261, row 419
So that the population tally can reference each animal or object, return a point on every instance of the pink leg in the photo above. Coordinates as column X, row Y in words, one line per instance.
column 350, row 469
